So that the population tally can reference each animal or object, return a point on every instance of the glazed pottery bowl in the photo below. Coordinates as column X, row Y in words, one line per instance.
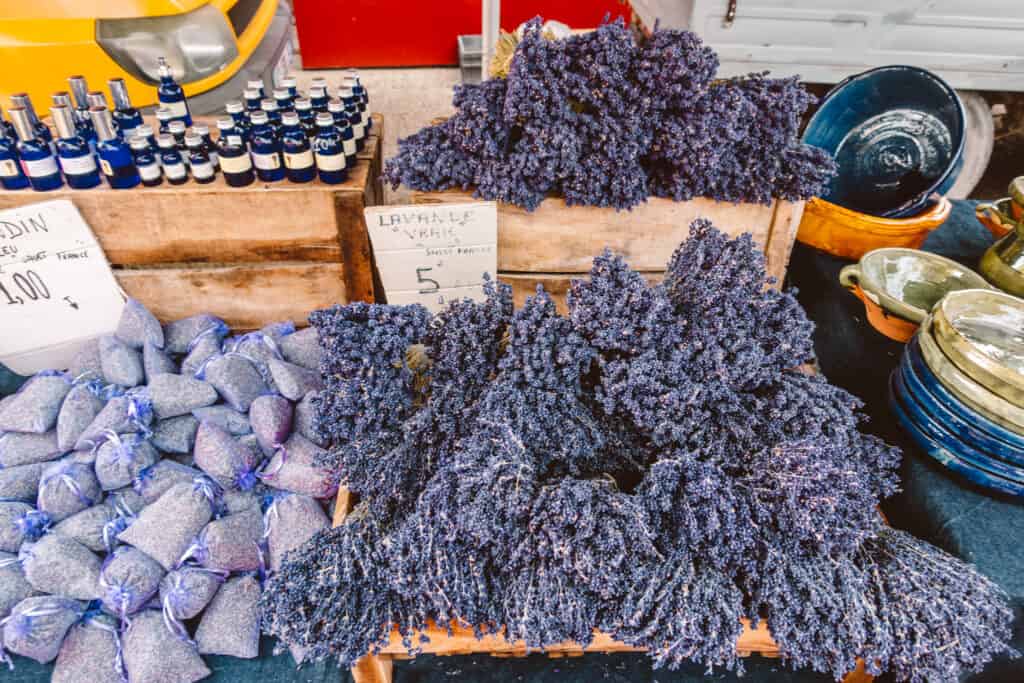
column 997, row 216
column 961, row 385
column 1003, row 263
column 851, row 234
column 899, row 287
column 897, row 135
column 913, row 378
column 953, row 455
column 982, row 332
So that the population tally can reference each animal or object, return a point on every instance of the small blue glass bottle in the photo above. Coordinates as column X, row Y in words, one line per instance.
column 11, row 176
column 177, row 129
column 257, row 85
column 356, row 121
column 77, row 159
column 203, row 131
column 233, row 152
column 126, row 117
column 240, row 118
column 291, row 84
column 146, row 161
column 39, row 129
column 6, row 127
column 82, row 129
column 252, row 99
column 307, row 117
column 170, row 159
column 269, row 107
column 80, row 89
column 170, row 94
column 300, row 166
column 37, row 160
column 283, row 99
column 318, row 98
column 198, row 160
column 348, row 140
column 116, row 158
column 330, row 153
column 266, row 149
column 163, row 120
column 146, row 131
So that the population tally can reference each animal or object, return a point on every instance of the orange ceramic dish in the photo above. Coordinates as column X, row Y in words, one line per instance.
column 890, row 325
column 850, row 234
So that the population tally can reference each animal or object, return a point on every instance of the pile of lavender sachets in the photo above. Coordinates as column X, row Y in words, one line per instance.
column 147, row 492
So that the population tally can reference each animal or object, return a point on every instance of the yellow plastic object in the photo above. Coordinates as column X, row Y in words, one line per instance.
column 850, row 234
column 42, row 42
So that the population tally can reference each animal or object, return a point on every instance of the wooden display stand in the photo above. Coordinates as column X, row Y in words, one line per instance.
column 557, row 243
column 377, row 668
column 253, row 255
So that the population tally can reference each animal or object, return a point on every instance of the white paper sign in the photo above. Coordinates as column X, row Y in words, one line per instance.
column 434, row 253
column 56, row 288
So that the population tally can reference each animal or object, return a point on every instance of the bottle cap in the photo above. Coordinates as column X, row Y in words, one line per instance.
column 345, row 93
column 102, row 122
column 302, row 103
column 258, row 118
column 61, row 98
column 22, row 123
column 324, row 119
column 119, row 93
column 138, row 142
column 225, row 123
column 256, row 85
column 281, row 94
column 177, row 126
column 234, row 107
column 335, row 106
column 145, row 131
column 193, row 140
column 317, row 92
column 289, row 81
column 23, row 101
column 251, row 94
column 200, row 129
column 63, row 120
column 97, row 99
column 164, row 114
column 268, row 105
column 165, row 141
column 163, row 69
column 290, row 118
column 318, row 82
column 80, row 89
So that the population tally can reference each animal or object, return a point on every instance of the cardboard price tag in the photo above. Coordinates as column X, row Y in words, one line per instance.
column 56, row 288
column 434, row 253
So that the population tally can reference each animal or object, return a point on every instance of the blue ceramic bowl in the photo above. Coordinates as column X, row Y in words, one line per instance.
column 932, row 385
column 952, row 460
column 897, row 135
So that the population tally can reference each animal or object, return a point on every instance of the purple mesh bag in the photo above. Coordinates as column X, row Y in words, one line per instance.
column 290, row 521
column 165, row 529
column 231, row 624
column 21, row 483
column 120, row 459
column 235, row 377
column 174, row 395
column 61, row 566
column 36, row 626
column 203, row 348
column 271, row 417
column 176, row 435
column 34, row 408
column 87, row 526
column 83, row 403
column 125, row 414
column 156, row 362
column 225, row 417
column 305, row 414
column 293, row 381
column 151, row 656
column 91, row 653
column 181, row 334
column 14, row 587
column 153, row 482
column 20, row 522
column 220, row 455
column 291, row 469
column 302, row 348
column 128, row 579
column 25, row 449
column 121, row 363
column 231, row 543
column 186, row 591
column 67, row 487
column 86, row 363
column 137, row 326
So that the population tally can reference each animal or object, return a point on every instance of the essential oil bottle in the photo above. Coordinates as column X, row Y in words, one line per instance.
column 37, row 160
column 233, row 152
column 269, row 107
column 318, row 82
column 146, row 161
column 240, row 117
column 96, row 98
column 291, row 84
column 80, row 90
column 170, row 159
column 318, row 98
column 198, row 160
column 252, row 99
column 307, row 117
column 170, row 94
column 177, row 129
column 146, row 131
column 257, row 85
column 86, row 132
column 77, row 159
column 266, row 149
column 11, row 175
column 126, row 117
column 283, row 99
column 355, row 120
column 348, row 141
column 300, row 166
column 330, row 154
column 39, row 129
column 6, row 127
column 164, row 117
column 203, row 131
column 115, row 156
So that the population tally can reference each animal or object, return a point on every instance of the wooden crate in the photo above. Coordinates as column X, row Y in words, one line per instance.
column 252, row 255
column 377, row 668
column 556, row 243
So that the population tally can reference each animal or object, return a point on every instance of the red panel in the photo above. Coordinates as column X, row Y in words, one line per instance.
column 335, row 33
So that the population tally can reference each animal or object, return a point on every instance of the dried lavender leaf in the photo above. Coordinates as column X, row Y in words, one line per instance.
column 292, row 469
column 122, row 365
column 156, row 362
column 302, row 348
column 271, row 418
column 165, row 529
column 236, row 379
column 151, row 653
column 232, row 543
column 137, row 326
column 220, row 455
column 225, row 417
column 36, row 626
column 62, row 566
column 21, row 483
column 186, row 591
column 129, row 578
column 87, row 526
column 89, row 653
column 81, row 406
column 231, row 624
column 119, row 460
column 291, row 521
column 175, row 434
column 26, row 449
column 174, row 395
column 34, row 408
column 14, row 587
column 67, row 487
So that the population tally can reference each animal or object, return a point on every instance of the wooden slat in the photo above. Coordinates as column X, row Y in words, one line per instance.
column 556, row 238
column 245, row 296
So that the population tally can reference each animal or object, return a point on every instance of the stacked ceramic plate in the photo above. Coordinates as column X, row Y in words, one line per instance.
column 959, row 388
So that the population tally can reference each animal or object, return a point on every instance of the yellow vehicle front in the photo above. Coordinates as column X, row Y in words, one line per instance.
column 213, row 46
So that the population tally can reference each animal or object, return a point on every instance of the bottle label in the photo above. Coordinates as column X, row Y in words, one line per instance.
column 214, row 158
column 175, row 171
column 128, row 133
column 239, row 164
column 179, row 110
column 149, row 171
column 78, row 165
column 108, row 170
column 9, row 169
column 202, row 170
column 349, row 146
column 330, row 162
column 235, row 140
column 39, row 168
column 266, row 162
column 298, row 161
column 358, row 131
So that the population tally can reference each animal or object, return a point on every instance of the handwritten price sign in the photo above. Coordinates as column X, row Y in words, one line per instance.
column 56, row 288
column 434, row 253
